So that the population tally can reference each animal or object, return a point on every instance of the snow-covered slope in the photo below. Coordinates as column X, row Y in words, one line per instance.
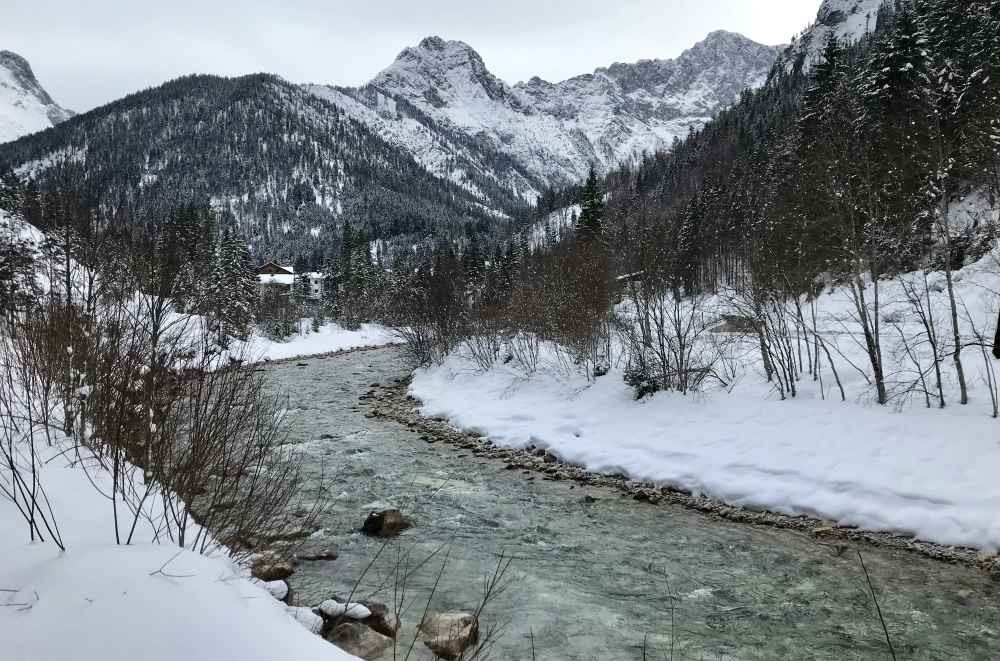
column 442, row 151
column 848, row 20
column 25, row 106
column 553, row 132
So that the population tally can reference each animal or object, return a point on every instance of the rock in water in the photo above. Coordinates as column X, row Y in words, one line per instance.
column 386, row 523
column 381, row 619
column 448, row 634
column 270, row 566
column 357, row 639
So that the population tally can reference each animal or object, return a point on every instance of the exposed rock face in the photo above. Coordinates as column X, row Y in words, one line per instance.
column 386, row 523
column 847, row 20
column 550, row 132
column 447, row 635
column 358, row 639
column 25, row 106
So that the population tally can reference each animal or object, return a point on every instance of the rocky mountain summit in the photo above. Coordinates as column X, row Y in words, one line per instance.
column 25, row 106
column 555, row 131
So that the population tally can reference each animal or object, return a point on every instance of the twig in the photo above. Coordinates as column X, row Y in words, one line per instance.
column 164, row 565
column 878, row 609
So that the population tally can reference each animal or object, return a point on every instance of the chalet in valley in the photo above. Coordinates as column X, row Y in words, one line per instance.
column 272, row 274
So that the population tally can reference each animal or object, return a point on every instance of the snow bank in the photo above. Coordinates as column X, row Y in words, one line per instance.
column 103, row 602
column 328, row 339
column 907, row 469
column 106, row 603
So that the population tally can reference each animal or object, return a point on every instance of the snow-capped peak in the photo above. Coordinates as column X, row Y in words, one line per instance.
column 441, row 72
column 557, row 130
column 25, row 106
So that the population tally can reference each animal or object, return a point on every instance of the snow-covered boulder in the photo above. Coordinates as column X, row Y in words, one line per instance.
column 333, row 609
column 307, row 618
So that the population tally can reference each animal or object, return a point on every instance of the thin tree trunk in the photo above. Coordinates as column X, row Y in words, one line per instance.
column 996, row 340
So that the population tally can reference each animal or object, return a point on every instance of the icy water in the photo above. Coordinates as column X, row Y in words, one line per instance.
column 592, row 580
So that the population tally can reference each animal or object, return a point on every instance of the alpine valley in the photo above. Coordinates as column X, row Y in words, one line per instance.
column 434, row 146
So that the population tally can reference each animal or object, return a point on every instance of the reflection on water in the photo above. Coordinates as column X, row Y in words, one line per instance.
column 590, row 580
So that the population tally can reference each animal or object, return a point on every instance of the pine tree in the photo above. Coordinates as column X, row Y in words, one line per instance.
column 590, row 226
column 232, row 289
column 472, row 266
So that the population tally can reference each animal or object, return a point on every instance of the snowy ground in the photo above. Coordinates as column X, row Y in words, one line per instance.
column 904, row 468
column 103, row 602
column 330, row 338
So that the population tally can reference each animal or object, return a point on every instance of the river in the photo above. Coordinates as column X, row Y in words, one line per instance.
column 591, row 578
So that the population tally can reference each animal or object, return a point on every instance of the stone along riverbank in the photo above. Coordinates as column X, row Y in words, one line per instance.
column 599, row 564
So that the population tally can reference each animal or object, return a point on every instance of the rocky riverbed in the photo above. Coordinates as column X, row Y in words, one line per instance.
column 600, row 564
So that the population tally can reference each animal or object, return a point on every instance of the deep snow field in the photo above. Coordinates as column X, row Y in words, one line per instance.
column 902, row 468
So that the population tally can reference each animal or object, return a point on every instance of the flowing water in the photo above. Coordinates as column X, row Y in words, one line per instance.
column 592, row 580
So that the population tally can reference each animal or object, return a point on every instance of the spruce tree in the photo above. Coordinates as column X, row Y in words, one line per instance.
column 590, row 226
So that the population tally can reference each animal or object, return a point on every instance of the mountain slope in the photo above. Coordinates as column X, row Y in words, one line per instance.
column 285, row 166
column 555, row 131
column 491, row 176
column 25, row 106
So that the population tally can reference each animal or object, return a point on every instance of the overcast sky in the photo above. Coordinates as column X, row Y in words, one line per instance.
column 89, row 52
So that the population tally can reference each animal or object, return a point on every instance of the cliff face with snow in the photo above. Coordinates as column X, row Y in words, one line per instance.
column 25, row 106
column 847, row 20
column 553, row 132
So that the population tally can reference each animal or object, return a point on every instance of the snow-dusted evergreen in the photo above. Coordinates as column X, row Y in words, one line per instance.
column 25, row 106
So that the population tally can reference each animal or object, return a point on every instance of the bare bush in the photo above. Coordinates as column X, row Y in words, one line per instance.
column 669, row 341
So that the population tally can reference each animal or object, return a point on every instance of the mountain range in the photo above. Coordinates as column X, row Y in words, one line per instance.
column 556, row 131
column 291, row 163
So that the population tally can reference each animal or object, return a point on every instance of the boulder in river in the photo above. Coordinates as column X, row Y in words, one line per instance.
column 385, row 523
column 358, row 639
column 447, row 635
column 381, row 619
column 270, row 566
column 277, row 589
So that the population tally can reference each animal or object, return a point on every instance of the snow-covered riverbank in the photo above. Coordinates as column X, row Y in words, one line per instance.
column 330, row 338
column 100, row 601
column 902, row 468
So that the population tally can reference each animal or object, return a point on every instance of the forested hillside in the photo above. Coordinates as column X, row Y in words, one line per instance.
column 879, row 158
column 855, row 162
column 285, row 167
